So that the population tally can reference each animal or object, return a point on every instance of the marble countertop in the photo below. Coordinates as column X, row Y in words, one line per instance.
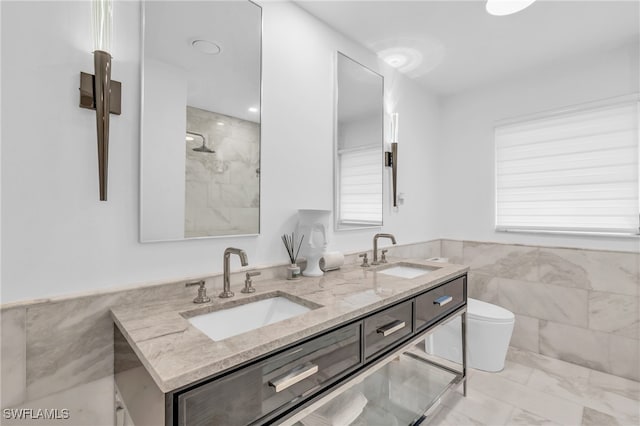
column 176, row 354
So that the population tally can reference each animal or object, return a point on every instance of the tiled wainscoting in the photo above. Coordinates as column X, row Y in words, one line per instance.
column 575, row 305
column 49, row 346
column 580, row 306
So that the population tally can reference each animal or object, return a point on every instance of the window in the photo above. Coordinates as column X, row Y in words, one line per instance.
column 573, row 171
column 360, row 186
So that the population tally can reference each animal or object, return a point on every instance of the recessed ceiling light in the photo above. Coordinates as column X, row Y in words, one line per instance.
column 207, row 47
column 414, row 57
column 396, row 60
column 253, row 109
column 507, row 7
column 220, row 123
column 404, row 59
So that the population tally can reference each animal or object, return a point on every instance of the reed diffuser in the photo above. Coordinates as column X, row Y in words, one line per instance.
column 293, row 271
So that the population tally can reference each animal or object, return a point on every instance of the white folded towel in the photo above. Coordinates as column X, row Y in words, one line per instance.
column 340, row 411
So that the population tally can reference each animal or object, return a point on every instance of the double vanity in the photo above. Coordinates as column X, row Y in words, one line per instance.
column 347, row 344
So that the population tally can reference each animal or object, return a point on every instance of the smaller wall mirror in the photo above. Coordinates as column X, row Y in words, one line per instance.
column 358, row 159
column 201, row 89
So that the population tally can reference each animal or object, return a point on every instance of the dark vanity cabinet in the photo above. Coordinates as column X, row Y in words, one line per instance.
column 386, row 327
column 273, row 384
column 440, row 301
column 381, row 352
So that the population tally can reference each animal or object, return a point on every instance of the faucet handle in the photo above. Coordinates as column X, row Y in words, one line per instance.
column 365, row 260
column 383, row 257
column 202, row 292
column 248, row 288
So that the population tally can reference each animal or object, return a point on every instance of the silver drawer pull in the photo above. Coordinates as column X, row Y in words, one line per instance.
column 442, row 300
column 299, row 373
column 391, row 328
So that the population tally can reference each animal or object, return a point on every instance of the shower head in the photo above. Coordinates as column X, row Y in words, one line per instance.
column 202, row 148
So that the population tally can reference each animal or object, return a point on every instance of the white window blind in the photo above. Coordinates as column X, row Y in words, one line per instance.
column 571, row 171
column 360, row 186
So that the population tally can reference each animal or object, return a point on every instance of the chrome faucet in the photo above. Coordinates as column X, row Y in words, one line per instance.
column 375, row 245
column 226, row 292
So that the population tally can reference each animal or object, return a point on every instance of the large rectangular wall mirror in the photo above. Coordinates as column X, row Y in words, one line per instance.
column 358, row 159
column 200, row 119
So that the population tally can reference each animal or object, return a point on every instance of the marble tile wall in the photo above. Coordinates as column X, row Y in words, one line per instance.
column 580, row 306
column 224, row 185
column 49, row 346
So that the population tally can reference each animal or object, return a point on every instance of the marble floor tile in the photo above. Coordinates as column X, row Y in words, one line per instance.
column 579, row 391
column 534, row 401
column 556, row 393
column 479, row 407
column 521, row 417
column 593, row 417
column 610, row 383
column 515, row 372
column 448, row 417
column 548, row 364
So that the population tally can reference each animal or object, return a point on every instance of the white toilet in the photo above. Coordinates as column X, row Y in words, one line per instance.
column 489, row 329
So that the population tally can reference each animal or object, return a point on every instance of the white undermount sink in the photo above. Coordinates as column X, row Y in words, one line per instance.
column 225, row 323
column 407, row 271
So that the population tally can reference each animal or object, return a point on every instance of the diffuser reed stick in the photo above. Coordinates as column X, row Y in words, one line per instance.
column 290, row 244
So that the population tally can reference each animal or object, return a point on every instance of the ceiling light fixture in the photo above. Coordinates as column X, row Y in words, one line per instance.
column 507, row 7
column 253, row 109
column 396, row 60
column 404, row 59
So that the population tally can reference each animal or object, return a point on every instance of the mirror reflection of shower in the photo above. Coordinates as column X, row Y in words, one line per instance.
column 191, row 136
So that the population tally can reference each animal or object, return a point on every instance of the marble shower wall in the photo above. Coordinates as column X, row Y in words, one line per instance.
column 50, row 346
column 580, row 306
column 222, row 193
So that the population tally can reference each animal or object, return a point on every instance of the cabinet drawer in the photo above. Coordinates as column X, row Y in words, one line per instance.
column 387, row 327
column 439, row 301
column 265, row 387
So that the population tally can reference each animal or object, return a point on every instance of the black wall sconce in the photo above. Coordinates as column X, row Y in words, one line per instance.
column 391, row 158
column 98, row 91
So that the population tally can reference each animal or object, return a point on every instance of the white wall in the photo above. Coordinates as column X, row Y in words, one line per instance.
column 59, row 239
column 467, row 152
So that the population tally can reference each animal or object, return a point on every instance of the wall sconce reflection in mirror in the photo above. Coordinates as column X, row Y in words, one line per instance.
column 391, row 158
column 98, row 91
